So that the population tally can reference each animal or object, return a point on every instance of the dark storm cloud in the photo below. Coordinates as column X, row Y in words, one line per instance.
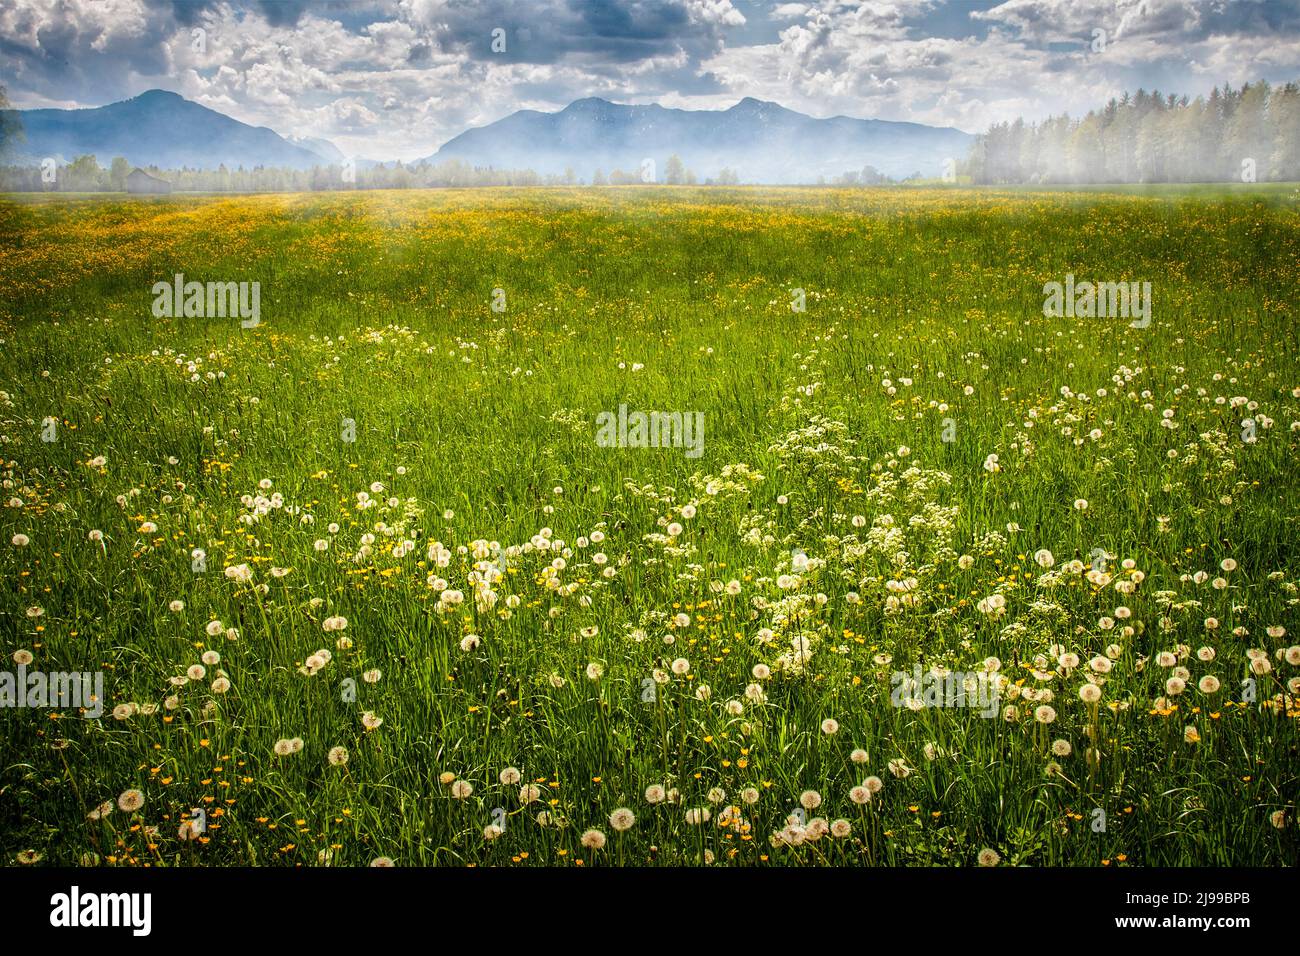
column 282, row 12
column 186, row 14
column 549, row 31
column 276, row 12
column 75, row 50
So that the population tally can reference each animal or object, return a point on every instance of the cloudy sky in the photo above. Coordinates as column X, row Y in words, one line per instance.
column 397, row 78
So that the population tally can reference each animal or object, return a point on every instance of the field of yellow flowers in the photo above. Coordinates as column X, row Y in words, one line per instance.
column 366, row 583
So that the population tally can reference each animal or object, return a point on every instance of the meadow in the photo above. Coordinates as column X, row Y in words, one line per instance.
column 365, row 589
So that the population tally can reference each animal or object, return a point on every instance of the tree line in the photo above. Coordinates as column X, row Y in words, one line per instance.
column 1245, row 135
column 84, row 174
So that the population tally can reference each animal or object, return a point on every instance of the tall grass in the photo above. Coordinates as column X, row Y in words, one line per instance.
column 924, row 316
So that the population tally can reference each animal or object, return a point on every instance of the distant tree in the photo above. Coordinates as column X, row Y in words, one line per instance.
column 1284, row 117
column 728, row 177
column 117, row 173
column 1249, row 136
column 1087, row 151
column 598, row 178
column 82, row 174
column 11, row 128
column 674, row 171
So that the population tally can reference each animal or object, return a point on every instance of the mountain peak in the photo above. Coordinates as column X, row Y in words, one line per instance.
column 159, row 128
column 159, row 96
column 587, row 103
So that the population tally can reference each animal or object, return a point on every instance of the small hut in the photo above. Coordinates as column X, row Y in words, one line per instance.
column 138, row 181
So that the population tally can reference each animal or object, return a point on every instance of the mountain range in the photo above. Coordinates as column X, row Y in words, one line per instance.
column 760, row 142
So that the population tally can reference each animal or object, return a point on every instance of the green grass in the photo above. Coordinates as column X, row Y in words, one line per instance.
column 922, row 306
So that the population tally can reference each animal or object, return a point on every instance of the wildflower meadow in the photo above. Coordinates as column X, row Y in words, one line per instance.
column 644, row 525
